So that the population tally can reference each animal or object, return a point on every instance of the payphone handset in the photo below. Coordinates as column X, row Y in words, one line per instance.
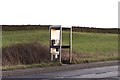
column 55, row 42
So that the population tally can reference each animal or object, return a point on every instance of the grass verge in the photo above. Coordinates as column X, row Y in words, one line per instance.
column 5, row 68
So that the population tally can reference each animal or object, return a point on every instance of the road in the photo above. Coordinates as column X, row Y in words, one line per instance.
column 99, row 72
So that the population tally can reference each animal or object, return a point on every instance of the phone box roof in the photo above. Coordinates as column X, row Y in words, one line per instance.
column 59, row 26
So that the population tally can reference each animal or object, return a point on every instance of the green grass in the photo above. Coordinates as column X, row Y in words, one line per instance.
column 5, row 68
column 95, row 42
column 13, row 37
column 104, row 46
column 82, row 42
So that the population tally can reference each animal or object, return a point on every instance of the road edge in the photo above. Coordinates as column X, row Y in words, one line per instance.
column 58, row 68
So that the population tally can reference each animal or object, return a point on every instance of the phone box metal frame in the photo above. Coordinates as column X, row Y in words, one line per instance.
column 56, row 45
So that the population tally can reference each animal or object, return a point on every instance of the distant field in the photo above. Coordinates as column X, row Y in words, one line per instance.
column 100, row 44
column 14, row 37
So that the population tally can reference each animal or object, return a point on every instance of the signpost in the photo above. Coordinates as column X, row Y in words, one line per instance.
column 56, row 42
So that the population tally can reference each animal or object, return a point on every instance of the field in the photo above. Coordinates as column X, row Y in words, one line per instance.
column 82, row 42
column 88, row 46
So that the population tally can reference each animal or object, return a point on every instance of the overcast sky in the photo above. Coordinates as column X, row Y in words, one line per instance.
column 90, row 13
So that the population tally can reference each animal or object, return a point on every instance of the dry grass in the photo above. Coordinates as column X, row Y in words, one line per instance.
column 25, row 53
column 29, row 54
column 86, row 58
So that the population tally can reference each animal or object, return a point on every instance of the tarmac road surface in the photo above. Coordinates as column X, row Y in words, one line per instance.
column 99, row 72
